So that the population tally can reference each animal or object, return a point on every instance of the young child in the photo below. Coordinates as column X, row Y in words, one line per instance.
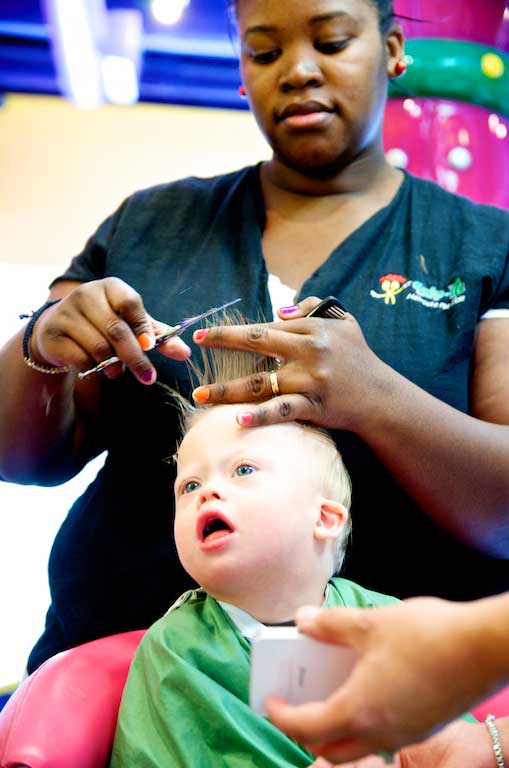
column 261, row 524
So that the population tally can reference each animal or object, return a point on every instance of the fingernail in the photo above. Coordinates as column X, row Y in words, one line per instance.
column 146, row 341
column 245, row 419
column 288, row 310
column 201, row 394
column 199, row 335
column 306, row 615
column 148, row 376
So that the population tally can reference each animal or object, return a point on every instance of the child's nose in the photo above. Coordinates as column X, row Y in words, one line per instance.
column 209, row 493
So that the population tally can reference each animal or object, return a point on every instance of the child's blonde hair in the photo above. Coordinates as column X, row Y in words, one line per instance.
column 222, row 365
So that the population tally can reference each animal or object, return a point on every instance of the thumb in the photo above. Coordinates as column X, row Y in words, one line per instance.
column 343, row 626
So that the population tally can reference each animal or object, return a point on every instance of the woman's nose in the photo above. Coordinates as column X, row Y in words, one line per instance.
column 301, row 70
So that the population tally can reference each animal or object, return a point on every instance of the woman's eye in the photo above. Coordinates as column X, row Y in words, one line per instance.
column 266, row 57
column 333, row 47
column 191, row 486
column 244, row 469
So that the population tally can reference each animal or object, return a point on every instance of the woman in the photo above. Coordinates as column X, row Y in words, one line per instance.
column 326, row 215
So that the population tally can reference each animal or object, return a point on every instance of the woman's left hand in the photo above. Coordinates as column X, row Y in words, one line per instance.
column 328, row 374
column 460, row 745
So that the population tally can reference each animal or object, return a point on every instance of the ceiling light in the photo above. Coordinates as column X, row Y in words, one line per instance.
column 72, row 33
column 120, row 80
column 168, row 11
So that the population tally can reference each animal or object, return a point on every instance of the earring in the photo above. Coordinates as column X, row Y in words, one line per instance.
column 400, row 68
column 242, row 92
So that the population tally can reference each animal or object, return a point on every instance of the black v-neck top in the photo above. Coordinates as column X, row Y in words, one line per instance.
column 417, row 275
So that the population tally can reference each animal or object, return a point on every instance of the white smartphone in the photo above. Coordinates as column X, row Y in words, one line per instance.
column 286, row 663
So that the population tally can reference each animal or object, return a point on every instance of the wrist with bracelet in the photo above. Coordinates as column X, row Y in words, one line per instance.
column 34, row 316
column 495, row 738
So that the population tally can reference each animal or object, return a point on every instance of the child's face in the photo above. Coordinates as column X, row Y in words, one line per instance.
column 248, row 503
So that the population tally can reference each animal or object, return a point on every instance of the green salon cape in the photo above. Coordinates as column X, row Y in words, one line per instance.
column 186, row 698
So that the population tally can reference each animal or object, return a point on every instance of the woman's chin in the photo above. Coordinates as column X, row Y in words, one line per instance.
column 314, row 162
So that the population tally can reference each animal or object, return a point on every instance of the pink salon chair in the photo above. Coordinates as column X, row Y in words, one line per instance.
column 64, row 714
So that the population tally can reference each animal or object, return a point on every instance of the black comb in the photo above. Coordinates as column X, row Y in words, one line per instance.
column 329, row 307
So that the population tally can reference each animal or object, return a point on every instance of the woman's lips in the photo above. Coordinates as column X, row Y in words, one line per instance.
column 306, row 114
column 310, row 120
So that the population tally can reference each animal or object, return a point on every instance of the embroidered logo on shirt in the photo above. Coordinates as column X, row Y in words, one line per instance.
column 393, row 285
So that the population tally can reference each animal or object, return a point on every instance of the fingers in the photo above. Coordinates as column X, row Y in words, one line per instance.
column 307, row 724
column 301, row 309
column 344, row 626
column 275, row 411
column 279, row 410
column 265, row 339
column 98, row 320
column 118, row 316
column 254, row 388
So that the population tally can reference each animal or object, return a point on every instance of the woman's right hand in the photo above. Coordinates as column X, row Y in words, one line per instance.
column 95, row 321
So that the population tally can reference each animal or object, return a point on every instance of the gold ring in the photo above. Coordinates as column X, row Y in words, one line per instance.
column 274, row 384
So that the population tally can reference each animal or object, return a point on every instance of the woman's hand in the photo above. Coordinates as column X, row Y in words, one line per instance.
column 420, row 663
column 328, row 374
column 95, row 321
column 460, row 745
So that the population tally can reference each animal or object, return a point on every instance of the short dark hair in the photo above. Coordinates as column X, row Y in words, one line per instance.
column 384, row 8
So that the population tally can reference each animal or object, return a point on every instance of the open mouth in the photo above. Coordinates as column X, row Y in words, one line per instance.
column 212, row 528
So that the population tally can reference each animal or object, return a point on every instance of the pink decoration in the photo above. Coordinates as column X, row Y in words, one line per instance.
column 427, row 130
column 479, row 21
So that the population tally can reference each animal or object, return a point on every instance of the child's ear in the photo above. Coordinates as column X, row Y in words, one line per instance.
column 331, row 520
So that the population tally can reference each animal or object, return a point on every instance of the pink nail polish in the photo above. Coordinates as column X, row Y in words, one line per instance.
column 199, row 335
column 288, row 310
column 245, row 419
column 148, row 376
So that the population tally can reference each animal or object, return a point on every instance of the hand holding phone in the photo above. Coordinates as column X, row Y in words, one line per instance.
column 298, row 668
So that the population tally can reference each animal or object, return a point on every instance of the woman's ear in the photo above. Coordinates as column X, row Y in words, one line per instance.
column 333, row 516
column 395, row 49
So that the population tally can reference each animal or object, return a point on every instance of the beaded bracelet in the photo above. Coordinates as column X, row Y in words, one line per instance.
column 34, row 316
column 495, row 737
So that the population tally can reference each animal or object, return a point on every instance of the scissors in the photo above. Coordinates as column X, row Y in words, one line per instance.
column 169, row 333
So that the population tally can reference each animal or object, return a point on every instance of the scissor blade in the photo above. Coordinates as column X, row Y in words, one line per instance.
column 181, row 327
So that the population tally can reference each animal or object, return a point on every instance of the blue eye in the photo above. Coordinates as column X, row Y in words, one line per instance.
column 244, row 469
column 191, row 486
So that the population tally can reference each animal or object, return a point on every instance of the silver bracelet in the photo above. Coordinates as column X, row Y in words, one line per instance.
column 495, row 737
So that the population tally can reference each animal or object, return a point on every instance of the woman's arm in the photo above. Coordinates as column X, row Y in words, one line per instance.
column 455, row 466
column 50, row 425
column 41, row 434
